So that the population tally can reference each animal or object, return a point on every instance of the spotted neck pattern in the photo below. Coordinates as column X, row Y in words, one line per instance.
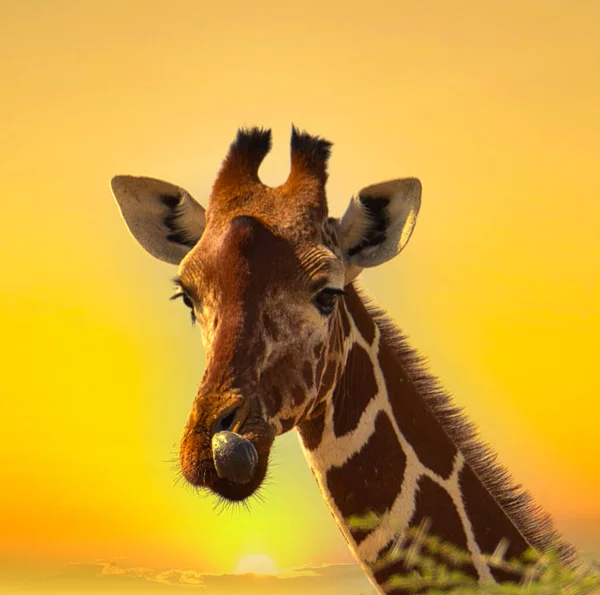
column 390, row 443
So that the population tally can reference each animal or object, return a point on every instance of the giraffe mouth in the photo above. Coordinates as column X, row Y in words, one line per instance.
column 234, row 456
column 231, row 465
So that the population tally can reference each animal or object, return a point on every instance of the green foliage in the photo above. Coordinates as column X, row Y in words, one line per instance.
column 433, row 567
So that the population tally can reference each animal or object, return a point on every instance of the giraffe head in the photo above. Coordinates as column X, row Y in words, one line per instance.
column 263, row 271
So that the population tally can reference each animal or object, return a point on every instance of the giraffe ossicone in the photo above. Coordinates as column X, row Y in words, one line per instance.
column 291, row 343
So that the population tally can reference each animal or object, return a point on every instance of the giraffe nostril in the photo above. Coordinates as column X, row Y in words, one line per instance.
column 226, row 421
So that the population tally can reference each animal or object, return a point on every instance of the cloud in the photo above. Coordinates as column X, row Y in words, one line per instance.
column 320, row 570
column 175, row 576
column 113, row 577
column 110, row 577
column 297, row 572
column 326, row 579
column 180, row 577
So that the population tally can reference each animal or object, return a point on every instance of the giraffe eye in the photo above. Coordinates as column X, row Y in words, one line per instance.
column 187, row 301
column 325, row 300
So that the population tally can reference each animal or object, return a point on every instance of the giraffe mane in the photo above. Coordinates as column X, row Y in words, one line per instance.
column 536, row 526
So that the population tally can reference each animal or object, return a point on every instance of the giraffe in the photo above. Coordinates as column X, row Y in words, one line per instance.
column 292, row 342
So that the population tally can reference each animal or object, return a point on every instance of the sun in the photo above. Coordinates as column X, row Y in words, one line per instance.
column 256, row 564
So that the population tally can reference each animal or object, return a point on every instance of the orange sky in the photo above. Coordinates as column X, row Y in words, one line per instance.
column 494, row 105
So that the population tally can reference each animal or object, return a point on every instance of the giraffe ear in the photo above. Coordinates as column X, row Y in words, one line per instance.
column 378, row 223
column 163, row 218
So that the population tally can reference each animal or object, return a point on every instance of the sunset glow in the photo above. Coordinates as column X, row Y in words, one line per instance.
column 256, row 564
column 493, row 105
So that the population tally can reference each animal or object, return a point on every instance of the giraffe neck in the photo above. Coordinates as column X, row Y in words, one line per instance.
column 390, row 445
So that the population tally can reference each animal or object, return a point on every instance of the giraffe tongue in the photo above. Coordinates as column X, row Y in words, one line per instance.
column 234, row 456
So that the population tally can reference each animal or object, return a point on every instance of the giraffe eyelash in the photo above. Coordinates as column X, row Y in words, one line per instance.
column 187, row 301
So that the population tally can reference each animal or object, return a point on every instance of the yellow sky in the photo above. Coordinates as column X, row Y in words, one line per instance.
column 494, row 105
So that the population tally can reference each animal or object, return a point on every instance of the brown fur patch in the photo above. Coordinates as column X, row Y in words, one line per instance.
column 298, row 394
column 359, row 535
column 432, row 503
column 273, row 401
column 362, row 319
column 225, row 269
column 355, row 388
column 307, row 372
column 415, row 420
column 271, row 330
column 368, row 482
column 490, row 524
column 287, row 424
column 311, row 431
column 435, row 504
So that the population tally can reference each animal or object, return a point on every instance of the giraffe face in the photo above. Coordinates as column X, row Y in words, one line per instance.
column 266, row 306
column 263, row 270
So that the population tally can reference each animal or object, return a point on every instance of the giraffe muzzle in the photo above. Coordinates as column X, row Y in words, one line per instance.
column 234, row 456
